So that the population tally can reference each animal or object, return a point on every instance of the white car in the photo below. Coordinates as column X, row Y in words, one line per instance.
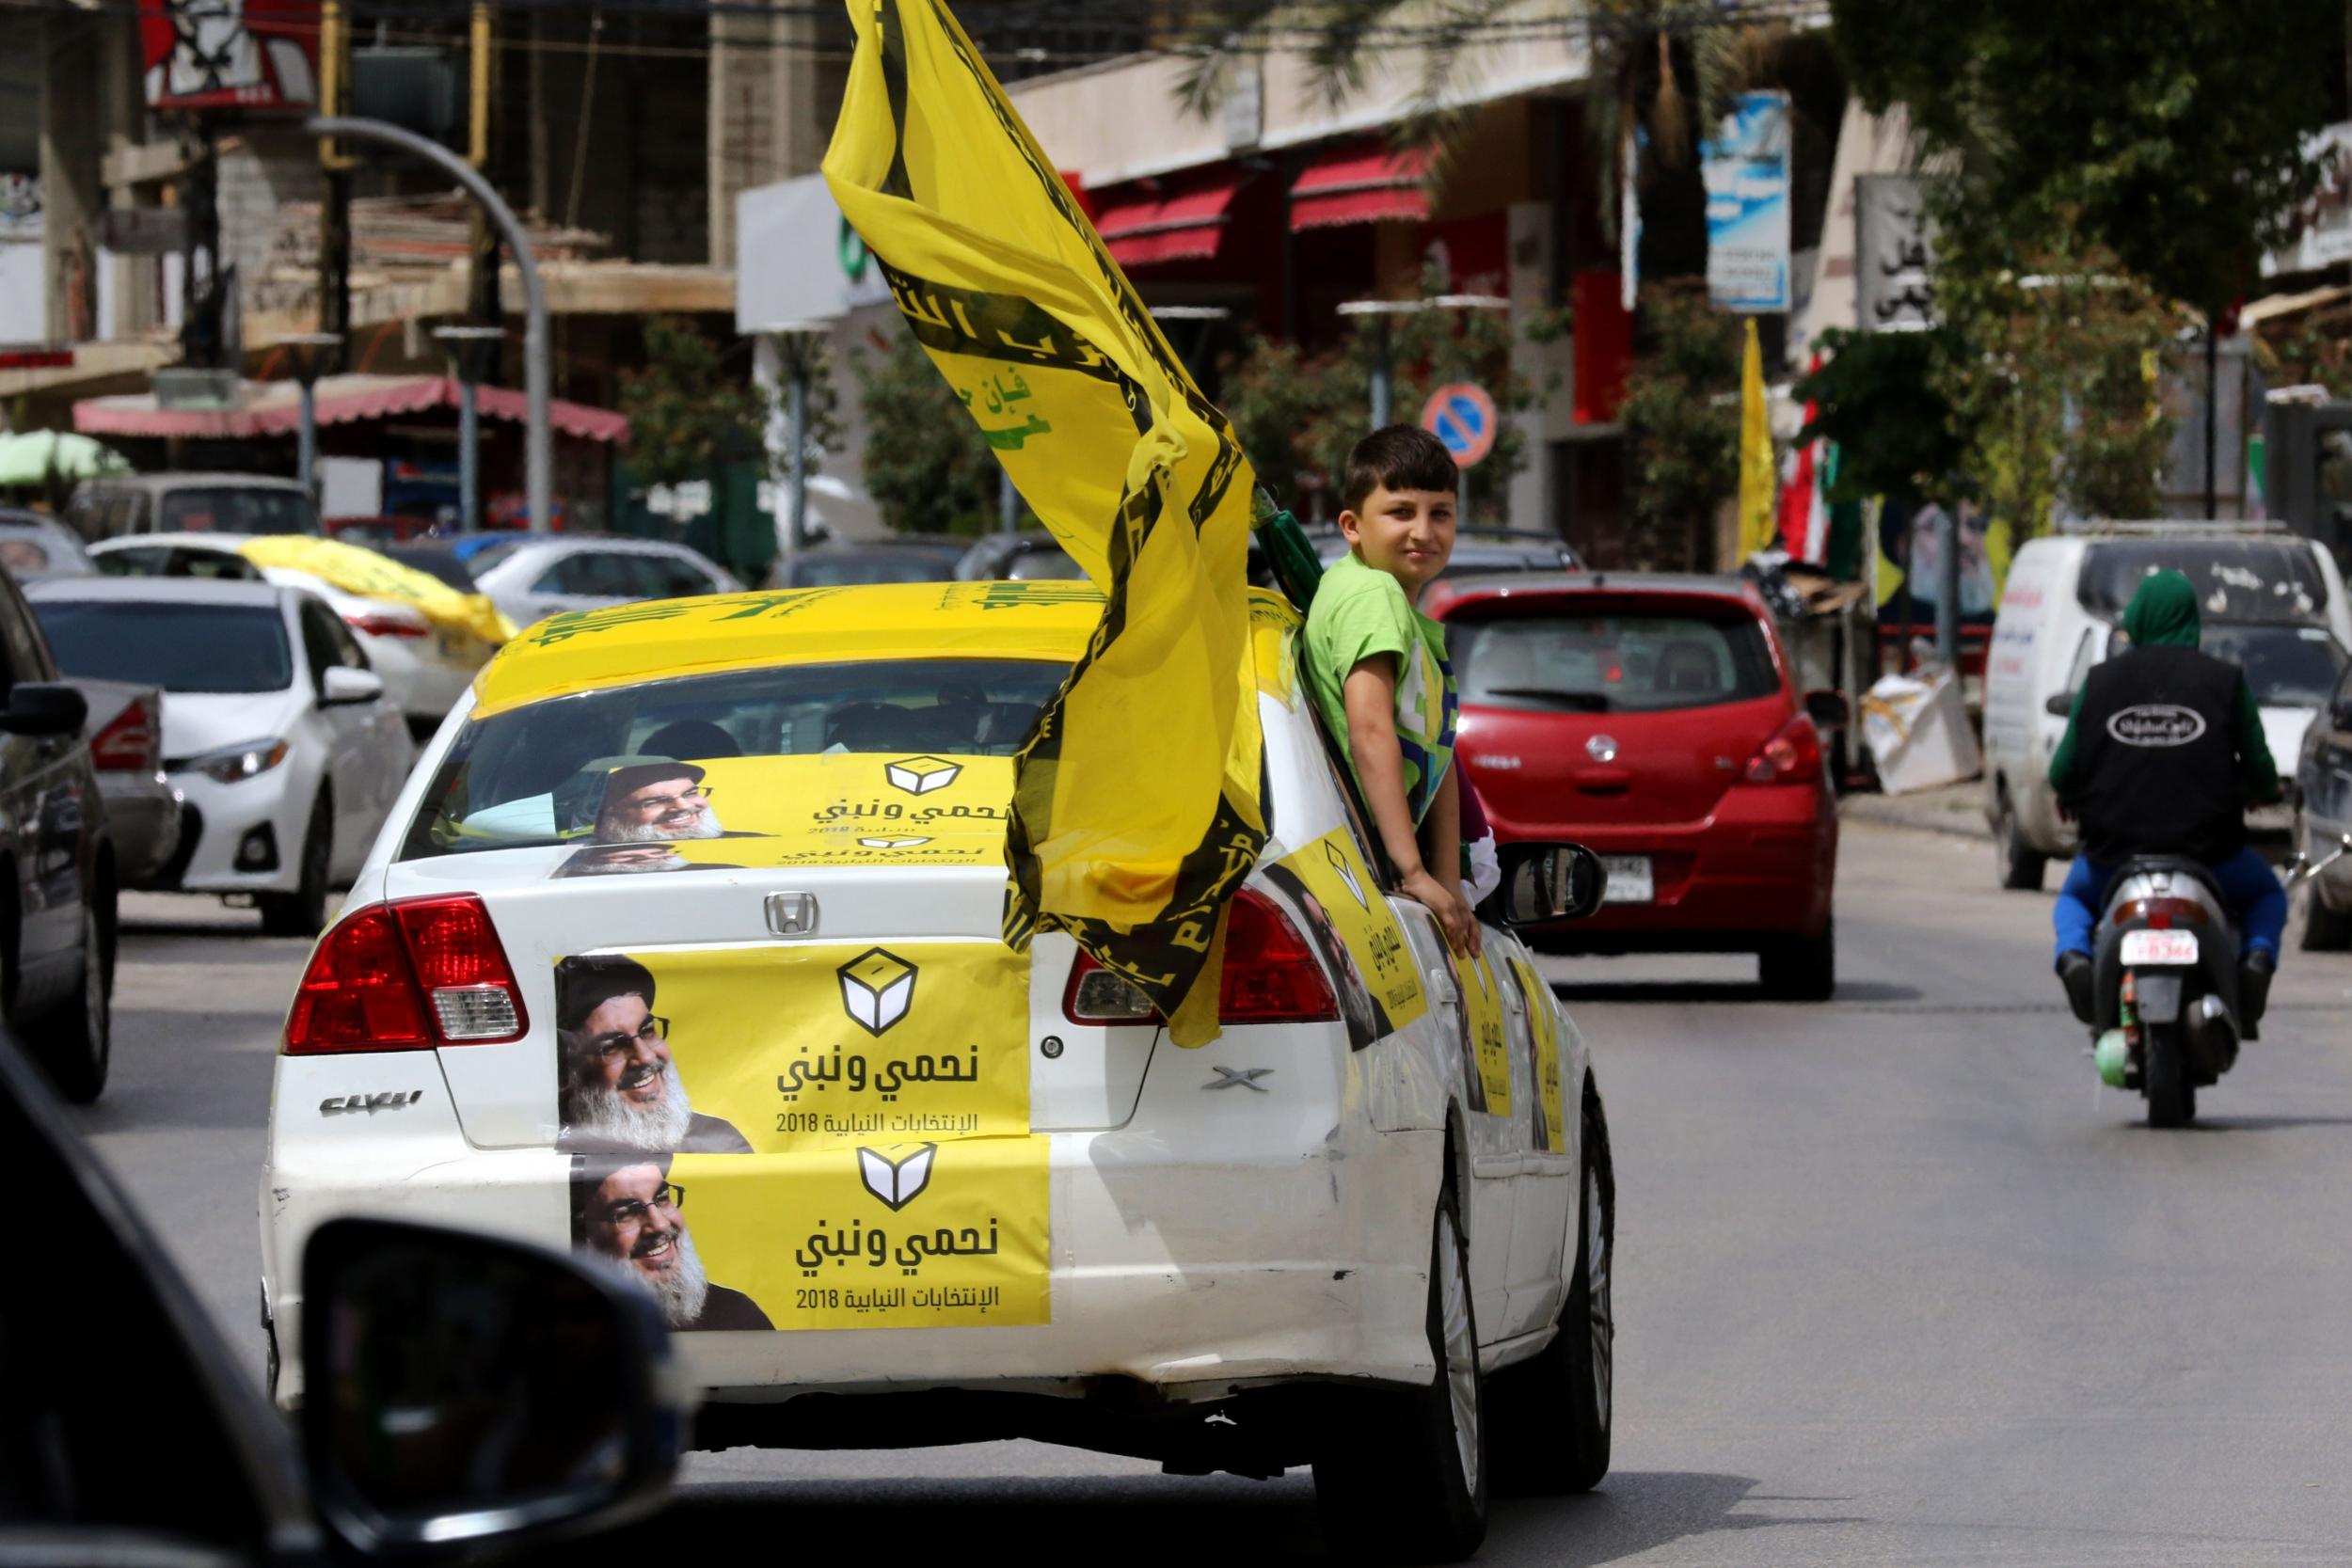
column 541, row 574
column 277, row 734
column 425, row 668
column 706, row 897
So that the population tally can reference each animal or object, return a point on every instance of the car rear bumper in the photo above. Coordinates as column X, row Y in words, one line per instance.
column 1180, row 1272
column 143, row 811
column 1762, row 864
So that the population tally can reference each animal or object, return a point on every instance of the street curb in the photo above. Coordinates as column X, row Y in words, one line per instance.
column 1883, row 812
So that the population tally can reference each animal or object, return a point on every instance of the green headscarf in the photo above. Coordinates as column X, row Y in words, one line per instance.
column 2162, row 613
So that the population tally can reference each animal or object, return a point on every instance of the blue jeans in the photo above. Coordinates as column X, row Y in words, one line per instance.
column 2251, row 887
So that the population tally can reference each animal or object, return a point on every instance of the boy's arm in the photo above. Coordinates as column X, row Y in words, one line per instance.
column 1370, row 696
column 1444, row 823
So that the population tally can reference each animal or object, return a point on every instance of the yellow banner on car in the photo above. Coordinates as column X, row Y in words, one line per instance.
column 1135, row 810
column 1543, row 1027
column 1350, row 923
column 769, row 1050
column 357, row 570
column 1490, row 1037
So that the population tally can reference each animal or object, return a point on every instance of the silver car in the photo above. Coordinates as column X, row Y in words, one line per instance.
column 125, row 732
column 535, row 577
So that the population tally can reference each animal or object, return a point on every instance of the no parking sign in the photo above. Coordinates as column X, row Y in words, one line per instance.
column 1463, row 417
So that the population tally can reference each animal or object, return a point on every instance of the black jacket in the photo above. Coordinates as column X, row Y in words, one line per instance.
column 2156, row 766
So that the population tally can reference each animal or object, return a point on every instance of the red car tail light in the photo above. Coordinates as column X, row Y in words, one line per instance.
column 376, row 625
column 367, row 987
column 130, row 742
column 2161, row 913
column 1271, row 977
column 1792, row 756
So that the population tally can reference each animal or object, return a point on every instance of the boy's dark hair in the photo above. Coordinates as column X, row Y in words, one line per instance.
column 1399, row 457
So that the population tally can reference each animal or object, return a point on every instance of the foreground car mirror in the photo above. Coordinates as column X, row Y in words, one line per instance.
column 1828, row 709
column 461, row 1388
column 2060, row 704
column 44, row 707
column 2340, row 713
column 1543, row 882
column 342, row 683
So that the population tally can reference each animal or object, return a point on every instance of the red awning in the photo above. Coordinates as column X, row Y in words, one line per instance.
column 1353, row 185
column 275, row 408
column 1180, row 225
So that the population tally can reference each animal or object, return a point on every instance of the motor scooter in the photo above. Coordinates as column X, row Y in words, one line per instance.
column 2164, row 981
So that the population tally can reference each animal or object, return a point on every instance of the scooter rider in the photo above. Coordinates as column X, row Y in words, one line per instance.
column 2163, row 750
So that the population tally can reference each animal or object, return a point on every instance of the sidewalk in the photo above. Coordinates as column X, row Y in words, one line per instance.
column 1949, row 809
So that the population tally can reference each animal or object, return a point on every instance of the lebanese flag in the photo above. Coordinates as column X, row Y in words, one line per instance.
column 1804, row 496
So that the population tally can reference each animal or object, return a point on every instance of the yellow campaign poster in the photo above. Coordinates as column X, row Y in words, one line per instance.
column 1543, row 1029
column 844, row 808
column 952, row 1233
column 1350, row 923
column 772, row 1049
column 1482, row 1016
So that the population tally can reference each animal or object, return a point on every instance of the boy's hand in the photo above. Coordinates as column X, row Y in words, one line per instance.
column 1453, row 914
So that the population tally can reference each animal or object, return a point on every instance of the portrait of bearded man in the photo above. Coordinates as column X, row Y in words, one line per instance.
column 617, row 1085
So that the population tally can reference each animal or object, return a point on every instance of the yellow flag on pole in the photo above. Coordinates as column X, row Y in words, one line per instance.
column 1758, row 475
column 1135, row 811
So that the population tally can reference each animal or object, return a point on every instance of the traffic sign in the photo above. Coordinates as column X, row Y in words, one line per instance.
column 1463, row 417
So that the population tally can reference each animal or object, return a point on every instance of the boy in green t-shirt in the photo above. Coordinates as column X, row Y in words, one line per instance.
column 1377, row 666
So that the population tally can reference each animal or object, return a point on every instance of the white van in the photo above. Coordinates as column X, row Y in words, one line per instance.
column 2273, row 603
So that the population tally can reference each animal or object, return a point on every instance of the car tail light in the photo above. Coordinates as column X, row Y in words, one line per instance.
column 1271, row 977
column 407, row 976
column 1792, row 756
column 129, row 743
column 376, row 623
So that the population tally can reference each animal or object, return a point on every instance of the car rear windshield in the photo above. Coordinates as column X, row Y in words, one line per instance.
column 232, row 509
column 2286, row 666
column 2273, row 580
column 1612, row 659
column 179, row 648
column 536, row 774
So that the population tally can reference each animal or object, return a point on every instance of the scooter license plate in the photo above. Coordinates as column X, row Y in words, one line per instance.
column 2159, row 947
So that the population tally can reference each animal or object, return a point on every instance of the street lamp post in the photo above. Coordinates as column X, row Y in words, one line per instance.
column 469, row 351
column 539, row 451
column 310, row 353
column 793, row 342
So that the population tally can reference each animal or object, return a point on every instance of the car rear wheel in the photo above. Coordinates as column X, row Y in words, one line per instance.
column 303, row 912
column 74, row 1042
column 2018, row 864
column 1800, row 969
column 1406, row 1479
column 1551, row 1414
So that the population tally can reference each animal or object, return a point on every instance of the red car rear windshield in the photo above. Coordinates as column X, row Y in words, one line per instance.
column 1612, row 659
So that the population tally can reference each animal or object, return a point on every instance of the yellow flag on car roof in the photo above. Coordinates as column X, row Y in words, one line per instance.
column 357, row 570
column 1135, row 807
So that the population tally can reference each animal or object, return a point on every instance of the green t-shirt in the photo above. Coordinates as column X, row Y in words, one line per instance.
column 1360, row 611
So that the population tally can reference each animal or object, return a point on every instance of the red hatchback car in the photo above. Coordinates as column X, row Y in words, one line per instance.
column 1652, row 719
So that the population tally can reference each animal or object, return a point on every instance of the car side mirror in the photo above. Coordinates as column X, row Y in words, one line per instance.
column 44, row 707
column 342, row 683
column 460, row 1388
column 1828, row 709
column 2060, row 704
column 1543, row 882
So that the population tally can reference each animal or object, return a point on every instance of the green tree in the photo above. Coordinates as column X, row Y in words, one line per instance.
column 1682, row 416
column 688, row 411
column 927, row 465
column 2169, row 134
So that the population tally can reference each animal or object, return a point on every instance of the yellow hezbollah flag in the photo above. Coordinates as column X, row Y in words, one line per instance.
column 1757, row 475
column 1134, row 805
column 364, row 572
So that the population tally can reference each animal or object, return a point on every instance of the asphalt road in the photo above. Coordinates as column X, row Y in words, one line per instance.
column 1897, row 1281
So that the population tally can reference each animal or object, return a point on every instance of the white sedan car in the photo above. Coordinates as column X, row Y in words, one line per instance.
column 277, row 734
column 425, row 668
column 683, row 948
column 537, row 575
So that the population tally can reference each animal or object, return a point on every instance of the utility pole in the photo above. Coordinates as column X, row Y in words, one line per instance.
column 335, row 164
column 483, row 300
